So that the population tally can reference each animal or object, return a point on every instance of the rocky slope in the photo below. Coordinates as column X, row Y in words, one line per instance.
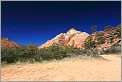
column 103, row 39
column 70, row 38
column 106, row 38
column 6, row 42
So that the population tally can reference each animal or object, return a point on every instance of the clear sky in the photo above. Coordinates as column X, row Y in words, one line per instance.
column 36, row 22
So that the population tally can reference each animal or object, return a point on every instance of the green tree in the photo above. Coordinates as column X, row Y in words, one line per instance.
column 90, row 44
column 101, row 40
column 108, row 28
column 94, row 28
column 119, row 31
column 8, row 54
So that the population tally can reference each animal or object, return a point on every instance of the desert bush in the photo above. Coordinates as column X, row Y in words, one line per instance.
column 94, row 28
column 98, row 34
column 8, row 54
column 14, row 54
column 53, row 52
column 111, row 39
column 87, row 52
column 27, row 52
column 108, row 28
column 113, row 50
column 90, row 44
column 101, row 40
column 119, row 31
column 30, row 53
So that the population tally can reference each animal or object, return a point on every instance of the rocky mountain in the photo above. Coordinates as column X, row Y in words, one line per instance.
column 110, row 36
column 7, row 42
column 70, row 38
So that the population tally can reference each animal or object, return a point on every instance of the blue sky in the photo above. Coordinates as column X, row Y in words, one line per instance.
column 36, row 22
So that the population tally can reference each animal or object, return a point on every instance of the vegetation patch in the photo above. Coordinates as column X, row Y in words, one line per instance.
column 31, row 53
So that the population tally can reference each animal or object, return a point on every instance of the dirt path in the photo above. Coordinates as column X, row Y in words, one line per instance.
column 112, row 58
column 67, row 70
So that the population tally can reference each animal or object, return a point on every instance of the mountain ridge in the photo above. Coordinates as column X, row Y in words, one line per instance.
column 108, row 37
column 67, row 39
column 7, row 42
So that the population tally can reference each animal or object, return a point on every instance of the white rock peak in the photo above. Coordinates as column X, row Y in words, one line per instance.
column 66, row 38
column 72, row 31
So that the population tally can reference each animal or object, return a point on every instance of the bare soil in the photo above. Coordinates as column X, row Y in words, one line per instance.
column 72, row 69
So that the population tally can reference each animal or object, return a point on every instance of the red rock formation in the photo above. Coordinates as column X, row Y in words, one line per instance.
column 6, row 42
column 110, row 36
column 70, row 38
column 78, row 39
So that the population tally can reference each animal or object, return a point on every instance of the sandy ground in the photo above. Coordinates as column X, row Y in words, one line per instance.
column 73, row 69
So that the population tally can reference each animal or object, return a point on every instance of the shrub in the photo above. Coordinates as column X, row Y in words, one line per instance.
column 101, row 40
column 113, row 50
column 14, row 54
column 94, row 28
column 111, row 39
column 8, row 54
column 90, row 44
column 30, row 53
column 98, row 34
column 119, row 31
column 108, row 28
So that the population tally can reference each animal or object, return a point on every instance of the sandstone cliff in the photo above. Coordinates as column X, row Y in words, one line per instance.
column 102, row 39
column 70, row 38
column 6, row 42
column 106, row 38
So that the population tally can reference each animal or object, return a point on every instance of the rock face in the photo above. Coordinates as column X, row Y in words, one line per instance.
column 102, row 39
column 106, row 38
column 70, row 38
column 6, row 42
